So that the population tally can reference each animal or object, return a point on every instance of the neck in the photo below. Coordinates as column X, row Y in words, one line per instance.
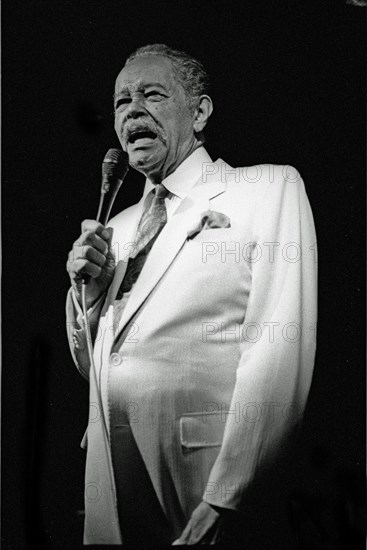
column 159, row 175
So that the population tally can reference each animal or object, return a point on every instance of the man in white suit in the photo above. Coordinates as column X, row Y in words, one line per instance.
column 204, row 351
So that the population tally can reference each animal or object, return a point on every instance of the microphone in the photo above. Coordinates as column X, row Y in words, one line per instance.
column 115, row 166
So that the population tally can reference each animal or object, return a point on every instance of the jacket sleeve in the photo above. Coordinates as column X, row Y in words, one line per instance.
column 76, row 331
column 278, row 341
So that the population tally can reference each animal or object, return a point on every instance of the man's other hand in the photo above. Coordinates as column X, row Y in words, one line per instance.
column 91, row 255
column 204, row 527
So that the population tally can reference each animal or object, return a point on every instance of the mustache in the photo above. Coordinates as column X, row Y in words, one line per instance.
column 139, row 127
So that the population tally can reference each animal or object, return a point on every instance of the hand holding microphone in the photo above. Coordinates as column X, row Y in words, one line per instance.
column 91, row 261
column 91, row 256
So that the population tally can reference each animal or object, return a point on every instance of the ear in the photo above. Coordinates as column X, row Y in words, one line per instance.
column 202, row 113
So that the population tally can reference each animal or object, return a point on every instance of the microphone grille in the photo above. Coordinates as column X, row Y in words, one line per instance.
column 115, row 163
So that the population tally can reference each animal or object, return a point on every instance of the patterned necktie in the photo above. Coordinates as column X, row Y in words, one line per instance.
column 151, row 224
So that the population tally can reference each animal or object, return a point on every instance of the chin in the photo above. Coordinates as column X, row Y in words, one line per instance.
column 145, row 162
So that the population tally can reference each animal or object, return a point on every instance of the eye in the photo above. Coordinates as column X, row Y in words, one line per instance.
column 122, row 102
column 153, row 94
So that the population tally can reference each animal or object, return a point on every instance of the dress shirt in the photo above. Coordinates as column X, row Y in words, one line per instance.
column 180, row 182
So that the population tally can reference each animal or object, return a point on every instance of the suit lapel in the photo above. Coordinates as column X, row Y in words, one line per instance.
column 168, row 244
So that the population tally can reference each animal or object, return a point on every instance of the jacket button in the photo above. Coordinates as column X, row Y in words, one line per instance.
column 115, row 359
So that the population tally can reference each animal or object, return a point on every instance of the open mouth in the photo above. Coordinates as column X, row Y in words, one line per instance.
column 141, row 135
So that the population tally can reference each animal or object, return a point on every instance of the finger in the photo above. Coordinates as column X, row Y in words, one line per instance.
column 180, row 542
column 91, row 226
column 185, row 535
column 86, row 252
column 77, row 253
column 214, row 534
column 183, row 539
column 84, row 267
column 94, row 240
column 217, row 535
column 91, row 254
column 202, row 527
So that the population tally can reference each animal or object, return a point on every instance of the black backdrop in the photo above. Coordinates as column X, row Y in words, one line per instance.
column 287, row 84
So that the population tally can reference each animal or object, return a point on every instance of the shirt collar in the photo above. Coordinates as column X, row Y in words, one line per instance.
column 185, row 176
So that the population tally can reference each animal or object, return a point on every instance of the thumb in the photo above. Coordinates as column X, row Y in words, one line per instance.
column 110, row 253
column 108, row 230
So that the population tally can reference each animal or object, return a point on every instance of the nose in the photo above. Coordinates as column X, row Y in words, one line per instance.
column 135, row 109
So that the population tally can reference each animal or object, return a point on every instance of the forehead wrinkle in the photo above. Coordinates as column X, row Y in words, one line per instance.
column 138, row 85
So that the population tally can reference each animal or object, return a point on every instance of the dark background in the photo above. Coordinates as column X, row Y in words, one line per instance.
column 287, row 84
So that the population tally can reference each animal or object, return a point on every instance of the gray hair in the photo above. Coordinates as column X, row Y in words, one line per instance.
column 189, row 71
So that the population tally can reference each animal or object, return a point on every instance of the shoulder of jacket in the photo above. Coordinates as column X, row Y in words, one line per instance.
column 259, row 177
column 265, row 173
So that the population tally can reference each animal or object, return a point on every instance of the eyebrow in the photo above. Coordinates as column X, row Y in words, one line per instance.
column 125, row 89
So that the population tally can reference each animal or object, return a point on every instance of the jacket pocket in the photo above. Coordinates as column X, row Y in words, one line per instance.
column 202, row 429
column 215, row 234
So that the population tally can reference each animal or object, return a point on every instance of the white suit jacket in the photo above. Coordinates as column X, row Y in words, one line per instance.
column 213, row 360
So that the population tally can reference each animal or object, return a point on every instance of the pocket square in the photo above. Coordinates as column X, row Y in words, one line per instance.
column 209, row 220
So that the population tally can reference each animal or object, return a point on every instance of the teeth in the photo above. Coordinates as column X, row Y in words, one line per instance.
column 141, row 134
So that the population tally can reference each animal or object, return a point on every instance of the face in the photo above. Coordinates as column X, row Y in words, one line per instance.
column 152, row 118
